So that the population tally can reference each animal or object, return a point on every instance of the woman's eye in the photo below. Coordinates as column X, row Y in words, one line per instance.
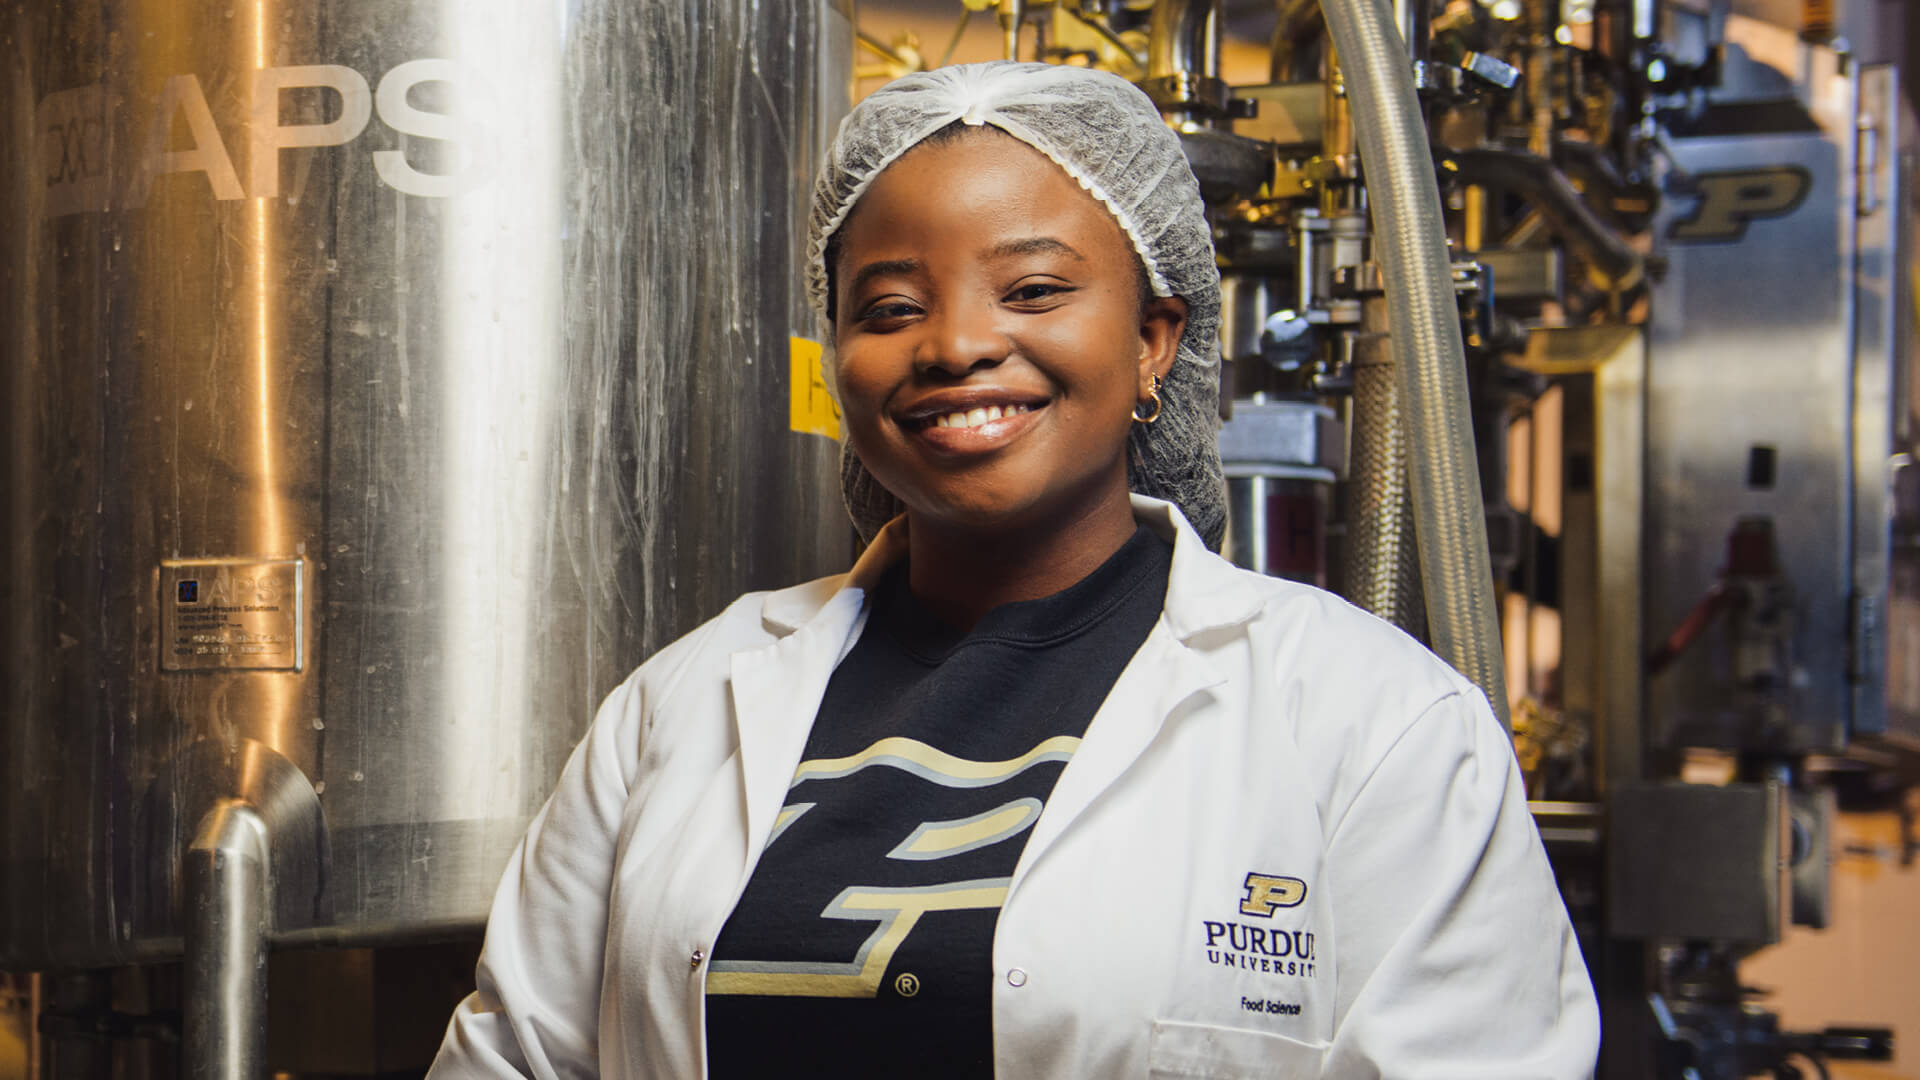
column 1036, row 291
column 888, row 309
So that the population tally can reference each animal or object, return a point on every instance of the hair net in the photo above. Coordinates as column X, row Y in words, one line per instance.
column 1108, row 136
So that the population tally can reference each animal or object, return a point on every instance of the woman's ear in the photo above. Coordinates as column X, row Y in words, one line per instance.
column 1163, row 319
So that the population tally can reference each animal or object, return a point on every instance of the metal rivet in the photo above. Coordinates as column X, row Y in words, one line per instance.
column 699, row 957
column 1016, row 977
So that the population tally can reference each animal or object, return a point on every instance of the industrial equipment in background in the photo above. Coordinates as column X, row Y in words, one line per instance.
column 385, row 381
column 1674, row 267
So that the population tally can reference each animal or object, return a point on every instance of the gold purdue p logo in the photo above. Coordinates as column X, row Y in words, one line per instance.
column 1732, row 198
column 1266, row 893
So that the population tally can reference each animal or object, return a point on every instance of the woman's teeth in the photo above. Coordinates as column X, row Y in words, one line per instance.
column 976, row 417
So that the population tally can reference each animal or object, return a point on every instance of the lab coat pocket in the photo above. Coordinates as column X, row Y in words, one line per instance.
column 1181, row 1049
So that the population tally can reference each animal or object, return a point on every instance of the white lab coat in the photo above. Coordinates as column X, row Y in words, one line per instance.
column 1265, row 731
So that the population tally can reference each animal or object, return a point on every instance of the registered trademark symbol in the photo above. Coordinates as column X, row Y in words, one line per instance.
column 907, row 985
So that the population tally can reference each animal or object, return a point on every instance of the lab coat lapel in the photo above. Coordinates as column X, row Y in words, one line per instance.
column 1163, row 678
column 1168, row 674
column 776, row 693
column 777, row 688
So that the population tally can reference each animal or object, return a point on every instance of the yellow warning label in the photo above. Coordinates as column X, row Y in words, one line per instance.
column 813, row 412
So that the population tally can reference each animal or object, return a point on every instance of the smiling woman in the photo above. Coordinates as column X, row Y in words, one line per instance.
column 993, row 346
column 1043, row 786
column 1112, row 152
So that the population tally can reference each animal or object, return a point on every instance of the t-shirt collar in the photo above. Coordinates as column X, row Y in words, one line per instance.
column 1204, row 591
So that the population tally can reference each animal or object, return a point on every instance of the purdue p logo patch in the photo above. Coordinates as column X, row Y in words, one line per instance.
column 1265, row 893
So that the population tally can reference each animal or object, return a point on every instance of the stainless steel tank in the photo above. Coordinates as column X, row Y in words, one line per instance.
column 384, row 380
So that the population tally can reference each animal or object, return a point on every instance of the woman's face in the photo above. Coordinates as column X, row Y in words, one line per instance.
column 991, row 337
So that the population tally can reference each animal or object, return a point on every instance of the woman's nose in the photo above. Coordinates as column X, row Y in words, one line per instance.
column 962, row 338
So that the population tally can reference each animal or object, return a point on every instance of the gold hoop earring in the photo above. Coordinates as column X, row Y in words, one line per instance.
column 1153, row 393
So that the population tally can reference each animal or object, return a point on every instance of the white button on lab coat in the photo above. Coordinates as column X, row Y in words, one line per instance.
column 1291, row 844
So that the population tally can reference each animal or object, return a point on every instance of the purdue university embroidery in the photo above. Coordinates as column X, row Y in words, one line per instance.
column 1265, row 948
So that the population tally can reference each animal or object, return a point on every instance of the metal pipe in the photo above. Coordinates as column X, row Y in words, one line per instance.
column 1099, row 26
column 1591, row 169
column 1301, row 23
column 229, row 912
column 1415, row 20
column 1177, row 35
column 883, row 51
column 1541, row 17
column 1615, row 263
column 1411, row 247
column 1336, row 125
column 1012, row 13
column 959, row 31
column 1210, row 42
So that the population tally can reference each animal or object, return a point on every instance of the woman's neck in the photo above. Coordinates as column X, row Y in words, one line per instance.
column 960, row 575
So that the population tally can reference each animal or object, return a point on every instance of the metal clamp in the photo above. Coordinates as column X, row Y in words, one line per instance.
column 1476, row 71
column 1496, row 73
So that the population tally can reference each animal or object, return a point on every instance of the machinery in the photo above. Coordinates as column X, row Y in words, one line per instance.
column 1675, row 296
column 386, row 380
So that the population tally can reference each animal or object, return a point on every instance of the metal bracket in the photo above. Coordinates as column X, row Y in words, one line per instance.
column 1866, row 164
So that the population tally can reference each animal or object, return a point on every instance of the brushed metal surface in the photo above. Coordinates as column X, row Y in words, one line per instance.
column 1246, row 300
column 1772, row 340
column 1884, row 624
column 1601, row 370
column 1284, row 438
column 1699, row 862
column 478, row 310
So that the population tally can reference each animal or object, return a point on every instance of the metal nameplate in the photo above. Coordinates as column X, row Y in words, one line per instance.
column 232, row 614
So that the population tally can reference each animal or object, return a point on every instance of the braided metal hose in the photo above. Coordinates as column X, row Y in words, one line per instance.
column 1411, row 246
column 1381, row 568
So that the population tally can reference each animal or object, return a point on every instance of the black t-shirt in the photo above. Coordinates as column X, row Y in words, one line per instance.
column 863, row 944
